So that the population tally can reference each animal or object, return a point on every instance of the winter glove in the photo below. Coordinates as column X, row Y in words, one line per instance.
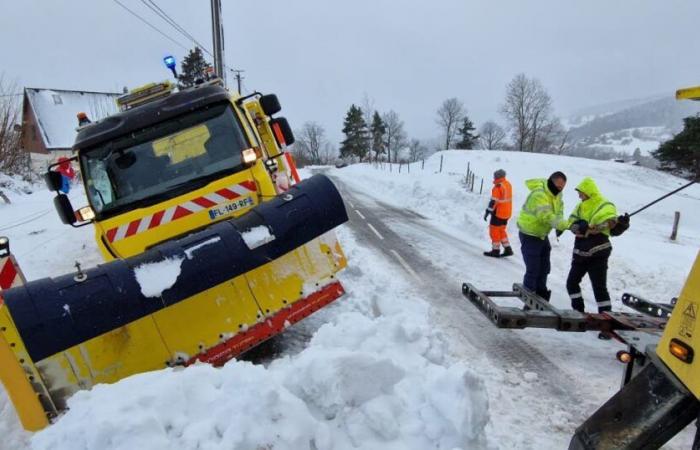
column 579, row 227
column 486, row 215
column 623, row 223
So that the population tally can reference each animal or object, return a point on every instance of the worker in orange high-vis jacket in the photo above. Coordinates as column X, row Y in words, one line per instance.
column 500, row 209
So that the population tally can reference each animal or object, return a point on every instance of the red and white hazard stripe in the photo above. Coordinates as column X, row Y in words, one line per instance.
column 182, row 210
column 10, row 275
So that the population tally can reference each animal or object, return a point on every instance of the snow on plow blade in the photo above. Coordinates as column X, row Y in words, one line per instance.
column 208, row 296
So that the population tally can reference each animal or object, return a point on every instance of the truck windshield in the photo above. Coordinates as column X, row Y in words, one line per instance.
column 164, row 160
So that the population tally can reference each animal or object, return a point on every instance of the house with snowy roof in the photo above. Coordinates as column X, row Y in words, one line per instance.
column 49, row 119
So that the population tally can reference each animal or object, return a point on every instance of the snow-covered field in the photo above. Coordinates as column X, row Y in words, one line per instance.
column 378, row 372
column 644, row 259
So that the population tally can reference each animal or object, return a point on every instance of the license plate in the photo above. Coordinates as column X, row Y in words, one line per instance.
column 228, row 208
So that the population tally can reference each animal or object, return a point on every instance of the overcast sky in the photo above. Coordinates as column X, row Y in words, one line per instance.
column 320, row 56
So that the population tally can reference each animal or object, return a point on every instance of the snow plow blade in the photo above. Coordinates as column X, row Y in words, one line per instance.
column 234, row 284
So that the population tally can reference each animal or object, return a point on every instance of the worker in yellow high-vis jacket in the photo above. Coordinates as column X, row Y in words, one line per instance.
column 543, row 211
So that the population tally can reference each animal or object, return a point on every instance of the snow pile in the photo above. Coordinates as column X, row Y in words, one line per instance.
column 257, row 236
column 14, row 184
column 376, row 376
column 156, row 277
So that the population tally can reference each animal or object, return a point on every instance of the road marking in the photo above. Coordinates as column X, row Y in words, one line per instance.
column 375, row 231
column 406, row 266
column 360, row 214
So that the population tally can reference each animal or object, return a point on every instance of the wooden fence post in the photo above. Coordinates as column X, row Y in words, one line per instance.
column 441, row 163
column 676, row 219
column 481, row 189
column 422, row 165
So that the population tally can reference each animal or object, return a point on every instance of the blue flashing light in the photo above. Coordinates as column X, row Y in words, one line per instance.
column 169, row 62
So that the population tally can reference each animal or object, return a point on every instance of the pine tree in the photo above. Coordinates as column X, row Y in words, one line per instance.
column 378, row 130
column 468, row 138
column 193, row 66
column 356, row 141
column 682, row 153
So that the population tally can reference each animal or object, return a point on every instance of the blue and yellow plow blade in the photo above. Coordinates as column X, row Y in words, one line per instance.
column 64, row 334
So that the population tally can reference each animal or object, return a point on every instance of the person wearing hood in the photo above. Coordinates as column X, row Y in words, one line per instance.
column 593, row 221
column 543, row 211
column 500, row 209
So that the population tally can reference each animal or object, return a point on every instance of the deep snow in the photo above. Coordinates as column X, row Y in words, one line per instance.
column 379, row 373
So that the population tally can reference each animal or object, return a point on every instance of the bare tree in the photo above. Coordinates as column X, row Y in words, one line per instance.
column 395, row 136
column 416, row 150
column 12, row 159
column 491, row 135
column 368, row 111
column 528, row 110
column 450, row 115
column 328, row 154
column 309, row 142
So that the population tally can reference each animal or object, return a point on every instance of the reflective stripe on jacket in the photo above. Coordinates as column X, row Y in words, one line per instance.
column 542, row 210
column 501, row 203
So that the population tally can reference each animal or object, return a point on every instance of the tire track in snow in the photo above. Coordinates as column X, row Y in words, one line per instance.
column 451, row 311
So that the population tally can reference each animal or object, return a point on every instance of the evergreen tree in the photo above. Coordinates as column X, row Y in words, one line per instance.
column 467, row 137
column 682, row 153
column 378, row 130
column 356, row 142
column 193, row 66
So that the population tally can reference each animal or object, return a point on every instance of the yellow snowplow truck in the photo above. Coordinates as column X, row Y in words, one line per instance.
column 209, row 250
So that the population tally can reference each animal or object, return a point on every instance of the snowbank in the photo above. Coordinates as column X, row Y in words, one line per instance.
column 375, row 376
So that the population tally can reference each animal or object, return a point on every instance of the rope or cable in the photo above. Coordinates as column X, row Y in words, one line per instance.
column 31, row 218
column 150, row 4
column 149, row 24
column 163, row 15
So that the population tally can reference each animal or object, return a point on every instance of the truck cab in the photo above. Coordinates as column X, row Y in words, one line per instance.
column 174, row 162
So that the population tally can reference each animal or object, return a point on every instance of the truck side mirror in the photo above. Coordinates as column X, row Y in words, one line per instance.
column 53, row 180
column 270, row 104
column 279, row 126
column 64, row 209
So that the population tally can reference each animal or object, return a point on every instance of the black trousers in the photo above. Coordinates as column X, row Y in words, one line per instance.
column 597, row 269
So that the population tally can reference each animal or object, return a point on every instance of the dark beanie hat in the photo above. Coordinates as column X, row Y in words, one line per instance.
column 550, row 182
column 557, row 174
column 500, row 173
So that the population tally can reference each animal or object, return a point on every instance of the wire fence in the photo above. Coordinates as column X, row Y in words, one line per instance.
column 471, row 181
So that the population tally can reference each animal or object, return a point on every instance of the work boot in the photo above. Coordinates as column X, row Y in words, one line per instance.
column 507, row 251
column 493, row 253
column 578, row 305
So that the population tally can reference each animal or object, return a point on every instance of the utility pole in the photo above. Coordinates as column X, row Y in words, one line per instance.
column 217, row 31
column 239, row 78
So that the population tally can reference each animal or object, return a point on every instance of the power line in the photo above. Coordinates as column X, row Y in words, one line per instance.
column 170, row 21
column 150, row 25
column 166, row 17
column 153, row 6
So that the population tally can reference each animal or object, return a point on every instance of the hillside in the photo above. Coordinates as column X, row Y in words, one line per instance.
column 626, row 126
